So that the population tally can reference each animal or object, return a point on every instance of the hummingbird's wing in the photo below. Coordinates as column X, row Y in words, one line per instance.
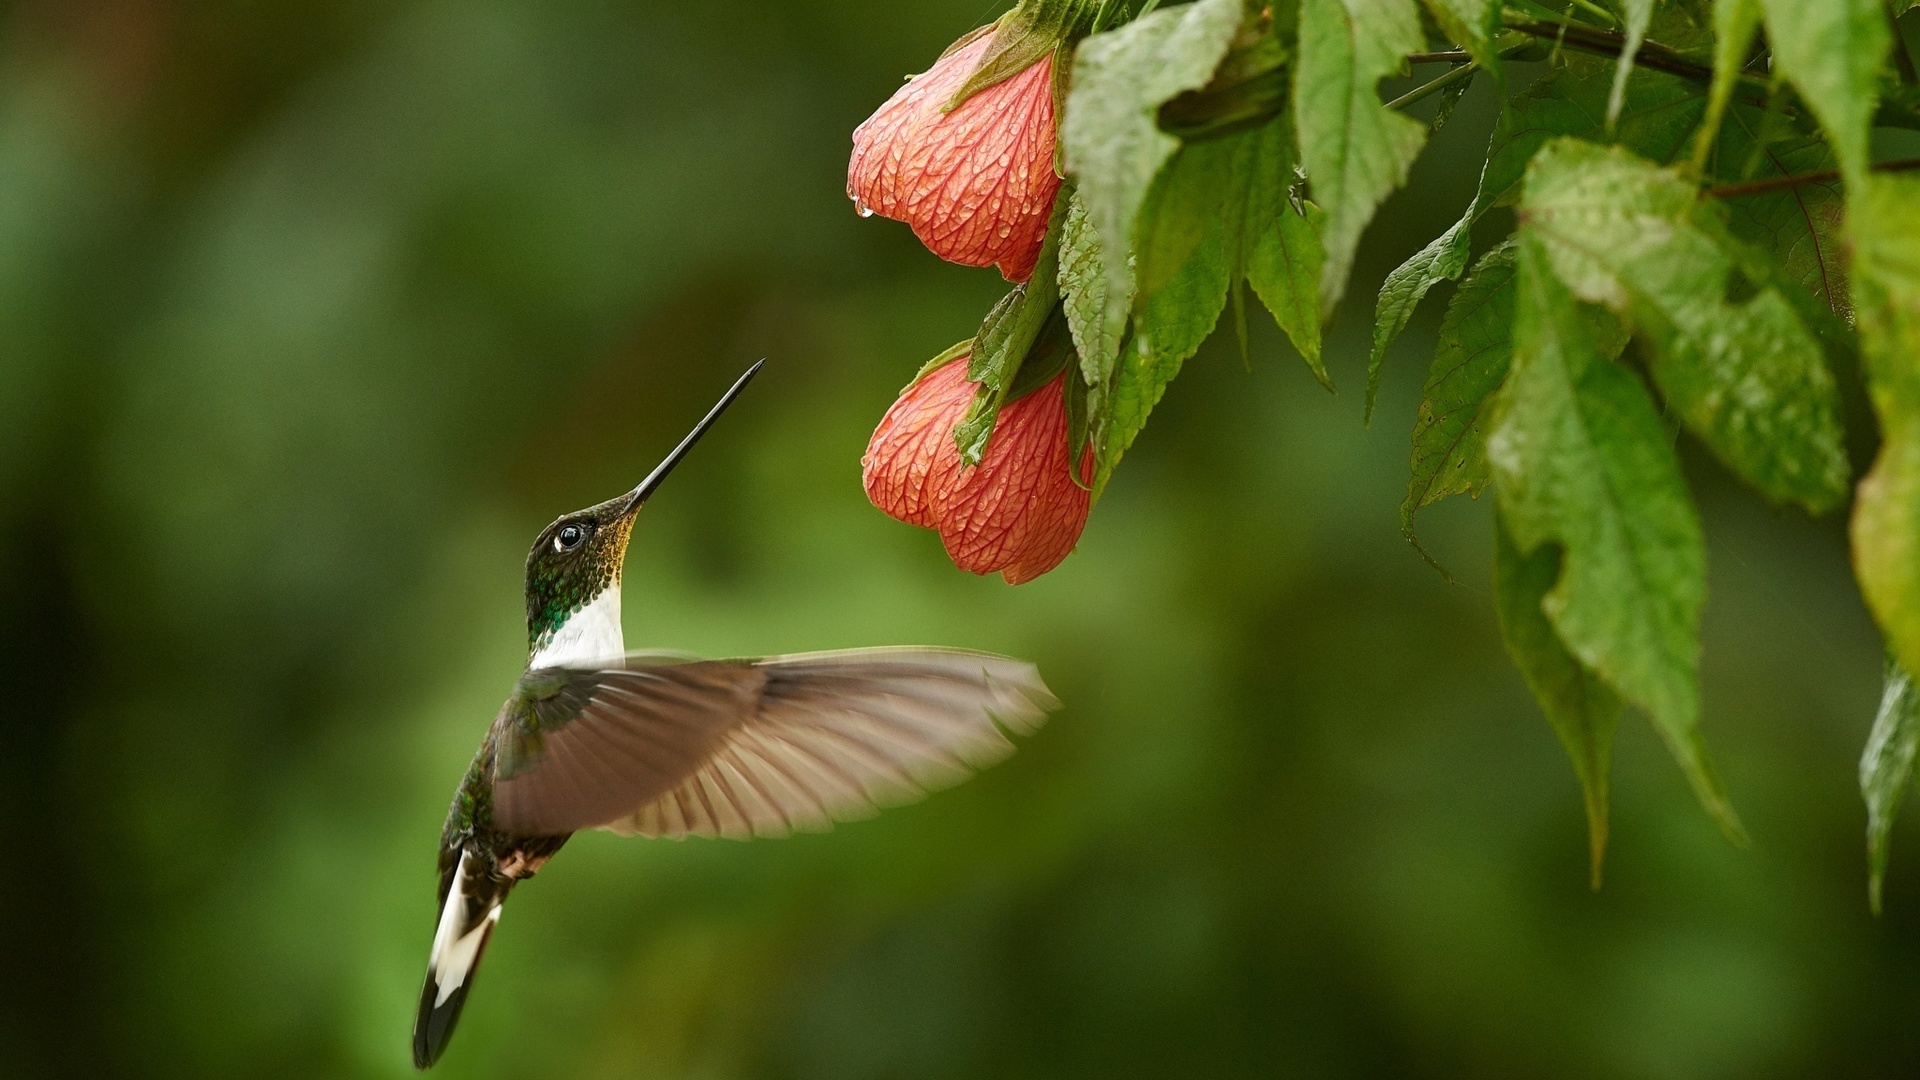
column 742, row 748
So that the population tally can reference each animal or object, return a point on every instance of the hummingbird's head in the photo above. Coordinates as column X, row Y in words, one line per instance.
column 578, row 558
column 575, row 560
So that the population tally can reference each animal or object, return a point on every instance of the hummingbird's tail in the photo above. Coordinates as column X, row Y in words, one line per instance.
column 468, row 913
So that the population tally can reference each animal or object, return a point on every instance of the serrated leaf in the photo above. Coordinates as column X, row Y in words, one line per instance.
column 1886, row 300
column 1659, row 115
column 1083, row 293
column 1472, row 24
column 1582, row 461
column 1114, row 146
column 1833, row 51
column 1442, row 259
column 1218, row 212
column 1189, row 254
column 1582, row 711
column 1747, row 377
column 1283, row 266
column 1456, row 405
column 1475, row 350
column 1356, row 151
column 1886, row 770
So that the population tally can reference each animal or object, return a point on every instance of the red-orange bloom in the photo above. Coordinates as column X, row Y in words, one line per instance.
column 1018, row 511
column 976, row 184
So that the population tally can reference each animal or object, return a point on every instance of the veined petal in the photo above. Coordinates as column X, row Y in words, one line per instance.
column 975, row 184
column 1018, row 512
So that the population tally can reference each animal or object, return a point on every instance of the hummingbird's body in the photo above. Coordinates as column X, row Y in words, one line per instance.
column 663, row 745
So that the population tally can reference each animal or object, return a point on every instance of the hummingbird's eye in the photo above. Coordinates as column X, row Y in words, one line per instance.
column 568, row 537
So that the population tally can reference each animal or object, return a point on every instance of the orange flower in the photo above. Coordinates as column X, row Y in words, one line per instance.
column 1018, row 511
column 977, row 183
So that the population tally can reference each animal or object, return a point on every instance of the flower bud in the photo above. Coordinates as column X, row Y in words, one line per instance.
column 1018, row 512
column 974, row 180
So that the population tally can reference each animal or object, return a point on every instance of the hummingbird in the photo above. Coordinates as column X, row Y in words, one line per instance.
column 666, row 745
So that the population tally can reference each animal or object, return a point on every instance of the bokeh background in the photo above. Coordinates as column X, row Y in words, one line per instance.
column 312, row 314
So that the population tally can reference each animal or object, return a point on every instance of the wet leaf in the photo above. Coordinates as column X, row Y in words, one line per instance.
column 1746, row 376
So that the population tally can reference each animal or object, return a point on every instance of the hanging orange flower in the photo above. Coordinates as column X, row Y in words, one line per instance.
column 1018, row 512
column 976, row 183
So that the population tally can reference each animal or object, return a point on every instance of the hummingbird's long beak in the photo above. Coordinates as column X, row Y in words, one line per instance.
column 661, row 470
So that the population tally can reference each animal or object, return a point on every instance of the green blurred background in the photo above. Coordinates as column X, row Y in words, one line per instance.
column 312, row 314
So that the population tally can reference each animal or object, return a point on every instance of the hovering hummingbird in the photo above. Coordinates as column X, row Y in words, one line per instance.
column 661, row 745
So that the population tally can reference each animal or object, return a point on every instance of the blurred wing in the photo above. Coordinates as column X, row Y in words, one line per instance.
column 742, row 748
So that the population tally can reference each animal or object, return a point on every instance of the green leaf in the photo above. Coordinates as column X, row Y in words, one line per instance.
column 1189, row 247
column 1639, row 13
column 1456, row 406
column 1734, row 22
column 1582, row 461
column 1583, row 712
column 1886, row 769
column 1356, row 150
column 1006, row 336
column 1659, row 118
column 1217, row 213
column 1746, row 376
column 1441, row 260
column 1660, row 113
column 1189, row 256
column 1886, row 300
column 1833, row 52
column 1799, row 226
column 1472, row 24
column 1283, row 264
column 1476, row 349
column 1096, row 326
column 1114, row 146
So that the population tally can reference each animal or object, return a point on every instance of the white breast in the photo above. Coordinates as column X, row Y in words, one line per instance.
column 592, row 634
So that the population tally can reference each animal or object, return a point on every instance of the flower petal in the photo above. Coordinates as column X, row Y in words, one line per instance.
column 976, row 184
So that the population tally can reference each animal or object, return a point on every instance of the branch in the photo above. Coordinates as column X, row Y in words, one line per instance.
column 1824, row 176
column 1592, row 39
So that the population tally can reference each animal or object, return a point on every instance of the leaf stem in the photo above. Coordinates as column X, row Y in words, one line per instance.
column 1434, row 86
column 1450, row 56
column 1824, row 176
